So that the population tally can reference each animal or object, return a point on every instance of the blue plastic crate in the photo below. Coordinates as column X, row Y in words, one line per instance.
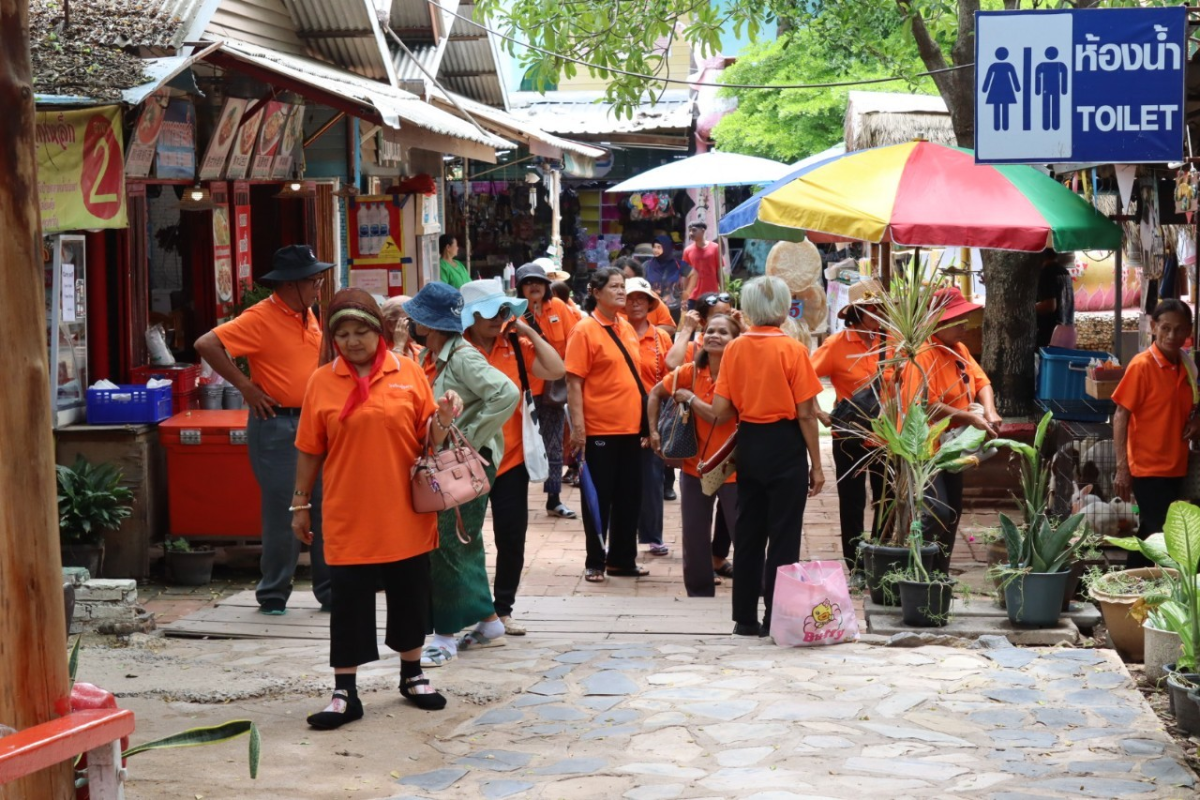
column 1061, row 372
column 128, row 404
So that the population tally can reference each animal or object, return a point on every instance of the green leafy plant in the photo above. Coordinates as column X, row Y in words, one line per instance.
column 177, row 544
column 91, row 500
column 1176, row 548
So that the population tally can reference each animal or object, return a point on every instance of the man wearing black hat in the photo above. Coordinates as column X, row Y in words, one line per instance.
column 281, row 338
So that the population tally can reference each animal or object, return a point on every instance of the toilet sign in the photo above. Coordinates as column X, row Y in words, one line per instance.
column 1103, row 85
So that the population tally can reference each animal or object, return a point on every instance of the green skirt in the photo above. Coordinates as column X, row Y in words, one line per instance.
column 462, row 595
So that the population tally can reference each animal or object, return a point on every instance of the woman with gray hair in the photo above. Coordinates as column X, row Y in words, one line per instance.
column 396, row 320
column 768, row 381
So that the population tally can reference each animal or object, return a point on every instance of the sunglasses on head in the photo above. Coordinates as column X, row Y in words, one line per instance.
column 503, row 314
column 962, row 372
column 713, row 299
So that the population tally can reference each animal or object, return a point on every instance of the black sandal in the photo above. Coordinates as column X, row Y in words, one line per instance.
column 725, row 570
column 429, row 700
column 593, row 575
column 327, row 720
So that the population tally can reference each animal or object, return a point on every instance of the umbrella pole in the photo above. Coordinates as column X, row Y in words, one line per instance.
column 718, row 202
column 1118, row 286
column 885, row 264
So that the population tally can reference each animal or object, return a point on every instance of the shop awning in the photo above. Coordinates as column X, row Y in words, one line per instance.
column 361, row 97
column 500, row 122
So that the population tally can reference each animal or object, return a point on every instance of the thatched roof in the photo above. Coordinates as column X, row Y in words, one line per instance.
column 92, row 54
column 874, row 119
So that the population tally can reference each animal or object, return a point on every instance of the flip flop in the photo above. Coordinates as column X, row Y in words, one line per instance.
column 435, row 657
column 593, row 575
column 561, row 511
column 475, row 640
column 725, row 570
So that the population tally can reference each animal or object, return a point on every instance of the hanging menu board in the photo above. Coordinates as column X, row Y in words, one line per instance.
column 140, row 156
column 223, row 138
column 243, row 148
column 275, row 118
column 292, row 135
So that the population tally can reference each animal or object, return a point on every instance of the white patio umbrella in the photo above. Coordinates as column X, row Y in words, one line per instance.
column 706, row 170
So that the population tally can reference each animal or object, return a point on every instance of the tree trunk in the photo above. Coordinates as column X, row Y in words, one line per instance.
column 33, row 655
column 1010, row 328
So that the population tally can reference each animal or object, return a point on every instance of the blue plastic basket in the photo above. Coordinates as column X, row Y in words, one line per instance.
column 128, row 404
column 1061, row 372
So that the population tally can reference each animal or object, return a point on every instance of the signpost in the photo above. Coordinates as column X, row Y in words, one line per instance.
column 1102, row 85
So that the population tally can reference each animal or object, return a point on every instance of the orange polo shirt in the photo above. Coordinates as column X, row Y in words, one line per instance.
column 659, row 315
column 556, row 323
column 954, row 377
column 503, row 358
column 576, row 310
column 282, row 349
column 367, row 515
column 708, row 437
column 849, row 360
column 611, row 398
column 1159, row 398
column 653, row 345
column 765, row 374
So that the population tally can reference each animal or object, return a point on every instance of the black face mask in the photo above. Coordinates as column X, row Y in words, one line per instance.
column 412, row 333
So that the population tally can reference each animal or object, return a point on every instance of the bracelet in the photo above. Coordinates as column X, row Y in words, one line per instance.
column 438, row 420
column 304, row 507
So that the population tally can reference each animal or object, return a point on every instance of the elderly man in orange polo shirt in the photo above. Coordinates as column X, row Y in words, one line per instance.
column 281, row 338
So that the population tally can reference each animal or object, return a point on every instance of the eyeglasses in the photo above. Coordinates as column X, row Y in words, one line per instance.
column 712, row 299
column 317, row 283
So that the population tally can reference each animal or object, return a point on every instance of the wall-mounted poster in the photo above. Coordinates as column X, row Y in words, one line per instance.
column 243, row 147
column 275, row 118
column 241, row 235
column 81, row 183
column 293, row 134
column 223, row 138
column 140, row 156
column 375, row 238
column 177, row 143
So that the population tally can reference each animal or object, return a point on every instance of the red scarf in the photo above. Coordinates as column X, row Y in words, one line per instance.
column 362, row 383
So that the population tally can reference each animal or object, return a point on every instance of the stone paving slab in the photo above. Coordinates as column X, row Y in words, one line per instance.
column 734, row 718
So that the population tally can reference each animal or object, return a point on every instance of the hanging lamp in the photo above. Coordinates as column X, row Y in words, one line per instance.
column 196, row 198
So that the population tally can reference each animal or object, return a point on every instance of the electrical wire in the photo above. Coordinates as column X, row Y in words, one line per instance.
column 685, row 82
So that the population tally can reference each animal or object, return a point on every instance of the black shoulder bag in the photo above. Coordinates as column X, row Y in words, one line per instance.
column 644, row 430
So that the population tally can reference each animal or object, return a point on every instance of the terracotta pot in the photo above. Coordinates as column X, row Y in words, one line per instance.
column 1125, row 631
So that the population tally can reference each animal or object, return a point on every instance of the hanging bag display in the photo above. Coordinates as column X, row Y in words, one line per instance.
column 536, row 462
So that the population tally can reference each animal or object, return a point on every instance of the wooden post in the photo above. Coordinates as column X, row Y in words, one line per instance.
column 556, row 214
column 33, row 653
column 466, row 245
column 885, row 264
column 1118, row 288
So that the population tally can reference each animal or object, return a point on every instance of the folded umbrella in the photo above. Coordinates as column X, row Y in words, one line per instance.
column 591, row 501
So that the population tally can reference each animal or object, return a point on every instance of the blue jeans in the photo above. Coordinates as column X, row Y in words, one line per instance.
column 650, row 517
column 273, row 456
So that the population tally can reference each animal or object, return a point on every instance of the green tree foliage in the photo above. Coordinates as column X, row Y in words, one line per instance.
column 790, row 124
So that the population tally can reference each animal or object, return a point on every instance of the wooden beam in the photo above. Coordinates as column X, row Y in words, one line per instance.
column 412, row 136
column 33, row 636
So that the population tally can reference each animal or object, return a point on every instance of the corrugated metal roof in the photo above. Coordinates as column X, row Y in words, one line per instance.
column 507, row 122
column 471, row 64
column 408, row 15
column 585, row 112
column 360, row 49
column 395, row 106
column 407, row 69
column 265, row 23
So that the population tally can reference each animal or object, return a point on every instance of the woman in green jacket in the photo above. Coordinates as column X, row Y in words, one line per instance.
column 462, row 594
column 452, row 271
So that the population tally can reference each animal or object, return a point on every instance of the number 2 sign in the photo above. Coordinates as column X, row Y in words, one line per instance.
column 81, row 167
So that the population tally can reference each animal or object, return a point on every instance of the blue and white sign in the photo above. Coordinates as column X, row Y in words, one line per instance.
column 1104, row 85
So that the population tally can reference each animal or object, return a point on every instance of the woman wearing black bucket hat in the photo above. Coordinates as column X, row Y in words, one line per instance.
column 281, row 339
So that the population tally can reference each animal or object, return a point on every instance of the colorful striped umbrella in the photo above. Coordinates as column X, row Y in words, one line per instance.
column 927, row 195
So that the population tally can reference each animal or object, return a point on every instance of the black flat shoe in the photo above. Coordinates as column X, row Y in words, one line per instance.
column 669, row 494
column 331, row 718
column 747, row 629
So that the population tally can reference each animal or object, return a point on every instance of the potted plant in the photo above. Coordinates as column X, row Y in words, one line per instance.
column 91, row 500
column 187, row 566
column 1126, row 598
column 1177, row 550
column 925, row 597
column 908, row 449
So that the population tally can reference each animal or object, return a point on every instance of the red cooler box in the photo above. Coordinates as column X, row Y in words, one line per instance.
column 211, row 491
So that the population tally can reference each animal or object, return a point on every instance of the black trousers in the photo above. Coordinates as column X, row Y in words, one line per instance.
column 614, row 463
column 722, row 541
column 940, row 523
column 510, row 522
column 407, row 586
column 849, row 453
column 772, row 484
column 1154, row 496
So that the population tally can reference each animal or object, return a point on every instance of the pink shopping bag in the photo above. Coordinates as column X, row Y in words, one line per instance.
column 812, row 605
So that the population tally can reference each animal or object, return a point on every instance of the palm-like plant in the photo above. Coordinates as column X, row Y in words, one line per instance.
column 91, row 500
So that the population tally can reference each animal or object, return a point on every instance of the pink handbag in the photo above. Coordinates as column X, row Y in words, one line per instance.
column 812, row 605
column 449, row 477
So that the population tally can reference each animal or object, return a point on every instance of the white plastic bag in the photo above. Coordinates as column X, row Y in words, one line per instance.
column 156, row 343
column 536, row 462
column 812, row 605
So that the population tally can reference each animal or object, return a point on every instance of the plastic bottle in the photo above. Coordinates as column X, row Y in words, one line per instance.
column 364, row 229
column 510, row 277
column 377, row 228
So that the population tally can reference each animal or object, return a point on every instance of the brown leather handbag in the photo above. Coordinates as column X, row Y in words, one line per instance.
column 448, row 478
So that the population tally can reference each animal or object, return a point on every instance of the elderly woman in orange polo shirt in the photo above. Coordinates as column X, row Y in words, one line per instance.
column 653, row 342
column 953, row 385
column 768, row 381
column 607, row 413
column 694, row 384
column 1155, row 420
column 850, row 359
column 365, row 418
column 513, row 347
column 554, row 321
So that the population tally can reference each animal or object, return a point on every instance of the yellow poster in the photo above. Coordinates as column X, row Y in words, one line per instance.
column 81, row 174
